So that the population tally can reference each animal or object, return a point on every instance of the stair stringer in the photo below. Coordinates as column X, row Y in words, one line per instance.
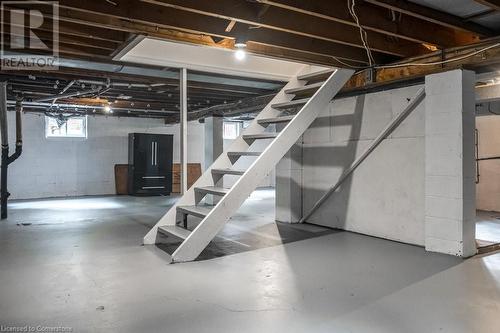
column 246, row 184
column 223, row 161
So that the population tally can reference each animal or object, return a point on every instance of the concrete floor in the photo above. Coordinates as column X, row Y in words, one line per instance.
column 79, row 263
column 488, row 227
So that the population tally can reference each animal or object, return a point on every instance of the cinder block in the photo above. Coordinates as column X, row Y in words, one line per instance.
column 443, row 186
column 439, row 245
column 441, row 228
column 444, row 82
column 449, row 208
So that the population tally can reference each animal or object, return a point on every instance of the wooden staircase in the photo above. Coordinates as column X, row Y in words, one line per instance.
column 309, row 92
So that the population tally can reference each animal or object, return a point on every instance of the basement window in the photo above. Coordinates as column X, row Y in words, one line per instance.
column 66, row 127
column 231, row 130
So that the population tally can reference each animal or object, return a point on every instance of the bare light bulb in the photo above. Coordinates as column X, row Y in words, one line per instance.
column 240, row 54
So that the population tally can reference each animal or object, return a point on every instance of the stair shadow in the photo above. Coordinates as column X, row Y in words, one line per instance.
column 246, row 233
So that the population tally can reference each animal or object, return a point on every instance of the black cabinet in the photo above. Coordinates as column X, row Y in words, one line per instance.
column 150, row 164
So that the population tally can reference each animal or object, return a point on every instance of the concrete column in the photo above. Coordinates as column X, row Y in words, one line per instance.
column 449, row 163
column 289, row 185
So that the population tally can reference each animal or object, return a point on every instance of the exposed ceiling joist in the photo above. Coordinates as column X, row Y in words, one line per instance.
column 144, row 14
column 276, row 18
column 432, row 15
column 377, row 19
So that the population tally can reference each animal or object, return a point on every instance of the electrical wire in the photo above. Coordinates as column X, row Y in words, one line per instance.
column 348, row 65
column 363, row 35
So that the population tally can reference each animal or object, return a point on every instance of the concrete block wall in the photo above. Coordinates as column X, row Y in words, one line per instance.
column 450, row 163
column 417, row 186
column 385, row 195
column 58, row 167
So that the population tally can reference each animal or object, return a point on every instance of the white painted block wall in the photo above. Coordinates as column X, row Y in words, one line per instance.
column 450, row 196
column 385, row 195
column 58, row 167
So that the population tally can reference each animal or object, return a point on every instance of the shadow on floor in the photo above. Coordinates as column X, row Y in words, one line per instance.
column 272, row 234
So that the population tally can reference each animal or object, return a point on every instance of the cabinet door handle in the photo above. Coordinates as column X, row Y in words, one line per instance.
column 156, row 153
column 152, row 153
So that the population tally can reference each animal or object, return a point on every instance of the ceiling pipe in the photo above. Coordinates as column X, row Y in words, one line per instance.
column 43, row 105
column 69, row 85
column 74, row 94
column 122, row 84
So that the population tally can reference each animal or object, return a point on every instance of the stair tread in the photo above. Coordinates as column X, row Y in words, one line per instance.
column 212, row 189
column 290, row 104
column 198, row 211
column 174, row 230
column 304, row 89
column 275, row 120
column 243, row 153
column 229, row 171
column 260, row 136
column 316, row 75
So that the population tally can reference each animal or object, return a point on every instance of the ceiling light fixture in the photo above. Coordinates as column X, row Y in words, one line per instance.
column 240, row 54
column 240, row 44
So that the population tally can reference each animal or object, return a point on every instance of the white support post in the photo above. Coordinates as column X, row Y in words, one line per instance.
column 183, row 128
column 450, row 163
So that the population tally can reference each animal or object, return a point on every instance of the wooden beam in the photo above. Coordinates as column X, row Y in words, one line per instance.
column 378, row 19
column 72, row 49
column 432, row 15
column 70, row 40
column 471, row 59
column 494, row 4
column 276, row 18
column 169, row 18
column 83, row 31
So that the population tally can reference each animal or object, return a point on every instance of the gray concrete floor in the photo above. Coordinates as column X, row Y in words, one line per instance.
column 487, row 227
column 79, row 263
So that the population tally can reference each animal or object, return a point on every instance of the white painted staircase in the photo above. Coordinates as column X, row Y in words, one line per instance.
column 323, row 84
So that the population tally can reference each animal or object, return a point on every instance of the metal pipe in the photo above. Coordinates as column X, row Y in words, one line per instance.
column 419, row 97
column 19, row 132
column 74, row 94
column 3, row 114
column 4, row 194
column 43, row 105
column 69, row 85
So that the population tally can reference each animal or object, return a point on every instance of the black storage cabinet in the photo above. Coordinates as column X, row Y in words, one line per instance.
column 150, row 164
